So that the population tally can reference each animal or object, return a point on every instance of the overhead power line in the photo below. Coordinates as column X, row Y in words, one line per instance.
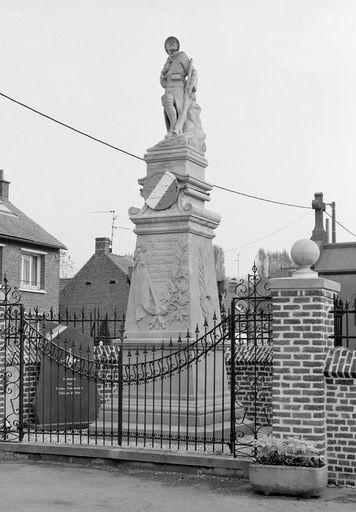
column 263, row 199
column 70, row 127
column 269, row 234
column 100, row 141
column 341, row 226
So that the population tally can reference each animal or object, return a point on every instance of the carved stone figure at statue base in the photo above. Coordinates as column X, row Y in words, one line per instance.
column 181, row 112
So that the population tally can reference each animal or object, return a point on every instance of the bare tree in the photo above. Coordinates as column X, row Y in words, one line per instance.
column 219, row 259
column 66, row 264
column 268, row 262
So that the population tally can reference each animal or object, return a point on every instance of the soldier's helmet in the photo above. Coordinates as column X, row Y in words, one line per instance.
column 169, row 39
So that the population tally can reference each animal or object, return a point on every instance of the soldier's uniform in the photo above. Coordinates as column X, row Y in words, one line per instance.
column 173, row 79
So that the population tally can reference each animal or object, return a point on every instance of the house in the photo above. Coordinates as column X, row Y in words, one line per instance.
column 29, row 255
column 337, row 260
column 101, row 284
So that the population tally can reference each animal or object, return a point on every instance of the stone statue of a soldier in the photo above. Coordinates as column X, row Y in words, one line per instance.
column 181, row 112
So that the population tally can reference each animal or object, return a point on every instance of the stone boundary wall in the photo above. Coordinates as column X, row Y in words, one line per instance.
column 340, row 373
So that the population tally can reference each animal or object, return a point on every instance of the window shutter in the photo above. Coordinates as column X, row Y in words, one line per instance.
column 42, row 277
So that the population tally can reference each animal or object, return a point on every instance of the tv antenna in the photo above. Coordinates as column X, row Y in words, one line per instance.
column 113, row 226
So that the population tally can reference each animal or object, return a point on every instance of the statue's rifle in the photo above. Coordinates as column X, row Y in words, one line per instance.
column 185, row 103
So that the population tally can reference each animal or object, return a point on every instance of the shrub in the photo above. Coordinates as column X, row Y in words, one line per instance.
column 292, row 451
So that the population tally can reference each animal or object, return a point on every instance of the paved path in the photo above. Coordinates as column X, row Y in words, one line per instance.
column 43, row 487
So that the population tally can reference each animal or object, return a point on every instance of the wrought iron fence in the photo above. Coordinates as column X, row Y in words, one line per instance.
column 103, row 327
column 206, row 391
column 344, row 313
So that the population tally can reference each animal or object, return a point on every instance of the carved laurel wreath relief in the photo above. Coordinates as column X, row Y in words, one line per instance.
column 203, row 277
column 155, row 309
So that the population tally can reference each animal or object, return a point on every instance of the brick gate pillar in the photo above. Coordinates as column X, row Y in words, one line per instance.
column 302, row 326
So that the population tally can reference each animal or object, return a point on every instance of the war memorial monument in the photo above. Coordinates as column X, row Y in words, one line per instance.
column 173, row 284
column 173, row 290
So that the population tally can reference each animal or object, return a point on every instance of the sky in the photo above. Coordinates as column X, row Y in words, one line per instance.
column 277, row 88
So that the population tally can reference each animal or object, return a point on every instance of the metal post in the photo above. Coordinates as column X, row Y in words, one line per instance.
column 232, row 378
column 120, row 386
column 338, row 314
column 21, row 372
column 327, row 229
column 333, row 222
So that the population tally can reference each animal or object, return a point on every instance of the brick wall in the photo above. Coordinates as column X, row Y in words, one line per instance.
column 253, row 374
column 302, row 325
column 340, row 374
column 11, row 266
column 30, row 380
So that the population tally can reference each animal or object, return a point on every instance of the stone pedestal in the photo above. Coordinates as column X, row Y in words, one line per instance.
column 173, row 284
column 173, row 290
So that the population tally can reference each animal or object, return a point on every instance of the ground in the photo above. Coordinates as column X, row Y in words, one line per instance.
column 53, row 487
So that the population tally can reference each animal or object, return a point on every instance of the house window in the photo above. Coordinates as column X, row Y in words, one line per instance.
column 31, row 271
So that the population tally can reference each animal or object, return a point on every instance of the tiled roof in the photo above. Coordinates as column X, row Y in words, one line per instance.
column 337, row 257
column 123, row 262
column 15, row 225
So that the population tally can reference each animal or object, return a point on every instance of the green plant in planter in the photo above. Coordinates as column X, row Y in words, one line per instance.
column 292, row 451
column 291, row 466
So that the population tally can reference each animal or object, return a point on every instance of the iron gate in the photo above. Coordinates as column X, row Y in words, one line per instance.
column 209, row 390
column 344, row 315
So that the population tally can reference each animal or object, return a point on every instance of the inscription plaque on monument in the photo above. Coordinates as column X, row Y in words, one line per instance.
column 65, row 396
column 160, row 286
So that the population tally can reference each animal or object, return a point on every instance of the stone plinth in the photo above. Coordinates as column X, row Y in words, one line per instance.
column 173, row 290
column 173, row 284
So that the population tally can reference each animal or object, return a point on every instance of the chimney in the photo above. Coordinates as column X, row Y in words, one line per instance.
column 102, row 244
column 4, row 187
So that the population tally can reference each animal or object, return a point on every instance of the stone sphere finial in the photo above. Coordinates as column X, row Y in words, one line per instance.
column 304, row 253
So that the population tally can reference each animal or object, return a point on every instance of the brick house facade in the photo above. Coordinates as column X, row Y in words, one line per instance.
column 29, row 255
column 101, row 284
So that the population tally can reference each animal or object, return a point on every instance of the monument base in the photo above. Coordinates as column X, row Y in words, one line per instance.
column 171, row 419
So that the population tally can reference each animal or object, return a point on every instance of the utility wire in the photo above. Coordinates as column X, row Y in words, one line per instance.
column 269, row 234
column 100, row 141
column 263, row 199
column 70, row 127
column 339, row 224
